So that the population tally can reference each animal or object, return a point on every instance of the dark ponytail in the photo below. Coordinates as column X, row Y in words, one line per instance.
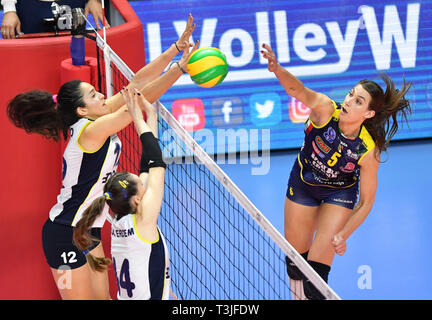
column 387, row 105
column 82, row 238
column 36, row 111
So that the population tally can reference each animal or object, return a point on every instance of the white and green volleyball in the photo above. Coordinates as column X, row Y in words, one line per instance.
column 207, row 67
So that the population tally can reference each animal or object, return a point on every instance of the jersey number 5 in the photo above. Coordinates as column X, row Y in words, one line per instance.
column 123, row 280
column 334, row 159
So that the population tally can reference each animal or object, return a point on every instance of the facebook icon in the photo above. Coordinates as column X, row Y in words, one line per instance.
column 227, row 111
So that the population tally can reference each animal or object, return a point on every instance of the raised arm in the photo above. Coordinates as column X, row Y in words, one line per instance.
column 152, row 165
column 155, row 68
column 144, row 78
column 97, row 132
column 320, row 104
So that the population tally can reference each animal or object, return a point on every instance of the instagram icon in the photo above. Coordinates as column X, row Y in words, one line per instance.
column 298, row 112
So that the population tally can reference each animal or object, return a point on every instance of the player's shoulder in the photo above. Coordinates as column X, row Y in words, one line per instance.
column 321, row 117
column 366, row 138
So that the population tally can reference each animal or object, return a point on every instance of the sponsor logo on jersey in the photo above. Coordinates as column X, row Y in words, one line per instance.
column 349, row 167
column 323, row 147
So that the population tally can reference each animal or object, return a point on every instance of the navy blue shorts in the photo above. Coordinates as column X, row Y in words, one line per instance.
column 58, row 246
column 308, row 195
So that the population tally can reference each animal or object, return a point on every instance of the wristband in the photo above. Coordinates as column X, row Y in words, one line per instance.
column 175, row 43
column 180, row 67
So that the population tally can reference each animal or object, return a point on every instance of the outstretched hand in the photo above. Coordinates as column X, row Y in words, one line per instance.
column 183, row 42
column 268, row 54
column 186, row 54
column 136, row 102
column 131, row 100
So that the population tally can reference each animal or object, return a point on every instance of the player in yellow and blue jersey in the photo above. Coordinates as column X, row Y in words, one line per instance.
column 337, row 163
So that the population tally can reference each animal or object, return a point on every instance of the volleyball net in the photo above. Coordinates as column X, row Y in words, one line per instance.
column 220, row 245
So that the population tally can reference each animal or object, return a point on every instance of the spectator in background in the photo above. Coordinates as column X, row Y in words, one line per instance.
column 20, row 18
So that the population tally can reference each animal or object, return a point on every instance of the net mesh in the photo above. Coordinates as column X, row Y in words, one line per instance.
column 131, row 145
column 216, row 249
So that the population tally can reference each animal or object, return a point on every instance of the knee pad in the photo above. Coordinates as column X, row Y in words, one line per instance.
column 293, row 271
column 310, row 291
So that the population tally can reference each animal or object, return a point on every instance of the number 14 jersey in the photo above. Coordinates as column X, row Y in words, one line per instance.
column 328, row 158
column 141, row 266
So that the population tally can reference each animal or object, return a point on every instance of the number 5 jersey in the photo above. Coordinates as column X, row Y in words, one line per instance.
column 328, row 158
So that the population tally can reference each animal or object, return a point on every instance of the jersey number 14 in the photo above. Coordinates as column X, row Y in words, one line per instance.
column 123, row 279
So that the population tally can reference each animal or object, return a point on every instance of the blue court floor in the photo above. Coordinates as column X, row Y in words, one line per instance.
column 389, row 255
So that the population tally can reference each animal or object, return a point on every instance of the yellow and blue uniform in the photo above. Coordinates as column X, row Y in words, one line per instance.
column 327, row 168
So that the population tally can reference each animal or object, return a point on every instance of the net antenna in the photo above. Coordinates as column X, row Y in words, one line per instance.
column 244, row 259
column 108, row 71
column 107, row 54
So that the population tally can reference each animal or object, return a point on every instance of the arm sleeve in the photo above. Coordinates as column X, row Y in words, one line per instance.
column 151, row 153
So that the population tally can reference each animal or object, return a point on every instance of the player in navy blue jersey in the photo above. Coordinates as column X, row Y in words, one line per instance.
column 91, row 123
column 337, row 163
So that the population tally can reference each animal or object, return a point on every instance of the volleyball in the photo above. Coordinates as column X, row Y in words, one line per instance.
column 207, row 67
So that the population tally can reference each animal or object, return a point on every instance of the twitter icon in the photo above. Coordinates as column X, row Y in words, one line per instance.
column 265, row 109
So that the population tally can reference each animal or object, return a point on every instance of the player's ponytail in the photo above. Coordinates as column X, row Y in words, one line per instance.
column 387, row 106
column 39, row 111
column 118, row 191
column 35, row 112
column 82, row 238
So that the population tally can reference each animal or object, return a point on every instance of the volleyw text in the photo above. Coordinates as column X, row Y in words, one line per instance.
column 315, row 48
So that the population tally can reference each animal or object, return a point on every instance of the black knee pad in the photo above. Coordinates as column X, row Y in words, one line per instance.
column 293, row 271
column 310, row 291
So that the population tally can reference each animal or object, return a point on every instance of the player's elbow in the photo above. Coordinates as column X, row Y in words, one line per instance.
column 366, row 204
column 313, row 99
